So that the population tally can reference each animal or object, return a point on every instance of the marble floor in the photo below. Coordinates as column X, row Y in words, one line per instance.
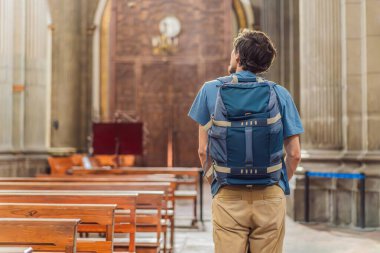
column 300, row 238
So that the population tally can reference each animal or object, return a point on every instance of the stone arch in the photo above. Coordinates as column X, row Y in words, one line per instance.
column 100, row 53
column 242, row 15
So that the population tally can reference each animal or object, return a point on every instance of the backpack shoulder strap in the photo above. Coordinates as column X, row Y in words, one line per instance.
column 228, row 79
column 273, row 85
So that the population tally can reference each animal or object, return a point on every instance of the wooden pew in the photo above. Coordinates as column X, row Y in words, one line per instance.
column 125, row 201
column 103, row 178
column 59, row 165
column 94, row 218
column 167, row 205
column 4, row 249
column 113, row 160
column 194, row 173
column 58, row 235
column 145, row 200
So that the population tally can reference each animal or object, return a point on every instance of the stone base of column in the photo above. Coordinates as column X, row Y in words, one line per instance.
column 28, row 163
column 337, row 201
column 22, row 165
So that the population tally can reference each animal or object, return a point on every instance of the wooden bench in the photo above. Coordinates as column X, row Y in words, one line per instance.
column 58, row 235
column 94, row 218
column 60, row 165
column 112, row 178
column 151, row 200
column 125, row 201
column 194, row 173
column 167, row 206
column 100, row 178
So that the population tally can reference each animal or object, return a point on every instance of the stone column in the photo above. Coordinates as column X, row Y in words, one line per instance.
column 37, row 118
column 321, row 74
column 71, row 73
column 356, row 78
column 340, row 110
column 322, row 105
column 372, row 10
column 279, row 19
column 271, row 24
column 6, row 75
column 18, row 74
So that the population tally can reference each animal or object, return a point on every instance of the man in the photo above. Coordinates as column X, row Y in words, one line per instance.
column 248, row 210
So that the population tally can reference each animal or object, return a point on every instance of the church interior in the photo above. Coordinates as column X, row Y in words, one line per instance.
column 97, row 153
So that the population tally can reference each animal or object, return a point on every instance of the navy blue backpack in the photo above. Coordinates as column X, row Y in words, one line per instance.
column 245, row 133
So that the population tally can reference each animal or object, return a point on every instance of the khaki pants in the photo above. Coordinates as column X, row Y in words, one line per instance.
column 249, row 218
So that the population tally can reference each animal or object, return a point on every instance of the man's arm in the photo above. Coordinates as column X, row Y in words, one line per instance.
column 202, row 147
column 293, row 154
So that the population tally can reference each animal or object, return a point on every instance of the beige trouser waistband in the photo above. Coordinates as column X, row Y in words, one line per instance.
column 247, row 187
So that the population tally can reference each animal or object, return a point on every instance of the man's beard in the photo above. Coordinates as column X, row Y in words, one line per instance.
column 231, row 69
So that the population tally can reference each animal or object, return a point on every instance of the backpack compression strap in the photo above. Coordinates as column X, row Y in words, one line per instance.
column 247, row 171
column 244, row 123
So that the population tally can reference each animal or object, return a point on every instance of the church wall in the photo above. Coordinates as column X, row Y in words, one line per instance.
column 159, row 89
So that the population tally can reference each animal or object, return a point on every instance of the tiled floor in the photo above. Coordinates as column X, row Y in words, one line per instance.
column 299, row 238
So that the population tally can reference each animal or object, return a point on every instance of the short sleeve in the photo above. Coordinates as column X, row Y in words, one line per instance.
column 290, row 117
column 199, row 111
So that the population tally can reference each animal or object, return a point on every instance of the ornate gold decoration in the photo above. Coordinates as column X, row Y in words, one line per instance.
column 164, row 45
column 167, row 42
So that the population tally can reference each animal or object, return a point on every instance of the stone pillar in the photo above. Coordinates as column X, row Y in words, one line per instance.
column 321, row 74
column 279, row 19
column 71, row 73
column 18, row 74
column 372, row 10
column 340, row 110
column 6, row 74
column 370, row 35
column 37, row 108
column 271, row 24
column 321, row 105
column 356, row 85
column 14, row 159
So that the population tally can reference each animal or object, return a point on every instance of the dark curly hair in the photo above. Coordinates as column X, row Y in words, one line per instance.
column 256, row 51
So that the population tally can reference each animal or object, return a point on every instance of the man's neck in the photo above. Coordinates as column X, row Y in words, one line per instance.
column 239, row 69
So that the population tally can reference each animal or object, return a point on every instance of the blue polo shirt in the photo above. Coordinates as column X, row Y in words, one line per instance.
column 204, row 104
